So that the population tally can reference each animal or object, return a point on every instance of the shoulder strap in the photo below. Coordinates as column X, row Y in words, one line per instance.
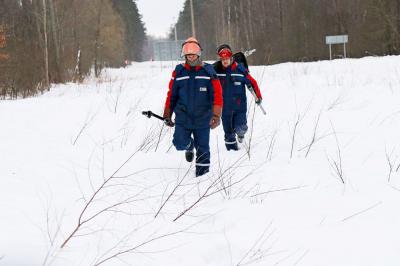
column 217, row 66
column 242, row 69
column 240, row 58
column 210, row 70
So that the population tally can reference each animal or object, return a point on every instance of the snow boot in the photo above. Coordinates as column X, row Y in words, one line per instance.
column 202, row 170
column 189, row 155
column 232, row 146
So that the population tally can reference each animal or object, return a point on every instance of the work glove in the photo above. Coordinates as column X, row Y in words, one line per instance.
column 215, row 121
column 167, row 118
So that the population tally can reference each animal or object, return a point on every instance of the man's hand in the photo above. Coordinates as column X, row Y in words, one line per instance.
column 215, row 121
column 167, row 118
column 168, row 122
column 258, row 101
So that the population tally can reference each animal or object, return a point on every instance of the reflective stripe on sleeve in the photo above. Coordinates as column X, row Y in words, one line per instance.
column 182, row 78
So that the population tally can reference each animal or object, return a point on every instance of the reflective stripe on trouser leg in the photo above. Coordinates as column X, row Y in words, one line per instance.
column 202, row 146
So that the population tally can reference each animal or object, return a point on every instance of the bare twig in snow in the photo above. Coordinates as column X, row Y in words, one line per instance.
column 127, row 250
column 294, row 135
column 88, row 120
column 394, row 166
column 360, row 212
column 314, row 135
column 256, row 253
column 172, row 192
column 271, row 146
column 336, row 164
column 277, row 190
column 301, row 257
column 251, row 131
column 82, row 220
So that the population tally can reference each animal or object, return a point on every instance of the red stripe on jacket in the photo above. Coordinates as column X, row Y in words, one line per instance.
column 255, row 86
column 218, row 100
column 171, row 84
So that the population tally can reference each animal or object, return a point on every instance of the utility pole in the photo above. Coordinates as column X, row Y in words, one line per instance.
column 192, row 15
column 176, row 35
column 177, row 50
column 176, row 42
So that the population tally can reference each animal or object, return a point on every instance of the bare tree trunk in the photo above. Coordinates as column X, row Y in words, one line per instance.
column 46, row 52
column 339, row 19
column 280, row 16
column 223, row 33
column 237, row 37
column 246, row 25
column 97, row 67
column 229, row 22
column 56, row 42
column 36, row 9
column 250, row 22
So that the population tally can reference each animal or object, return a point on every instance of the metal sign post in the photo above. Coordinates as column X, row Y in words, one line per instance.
column 337, row 39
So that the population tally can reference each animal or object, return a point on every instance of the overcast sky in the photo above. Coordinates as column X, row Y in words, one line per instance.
column 159, row 15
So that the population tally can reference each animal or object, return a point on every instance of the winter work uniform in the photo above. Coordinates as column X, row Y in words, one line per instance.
column 234, row 80
column 195, row 96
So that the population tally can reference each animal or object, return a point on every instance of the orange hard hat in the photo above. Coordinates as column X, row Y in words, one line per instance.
column 191, row 46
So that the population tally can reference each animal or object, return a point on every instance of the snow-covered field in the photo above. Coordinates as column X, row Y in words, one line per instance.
column 317, row 183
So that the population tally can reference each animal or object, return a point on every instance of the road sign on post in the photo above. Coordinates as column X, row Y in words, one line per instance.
column 337, row 39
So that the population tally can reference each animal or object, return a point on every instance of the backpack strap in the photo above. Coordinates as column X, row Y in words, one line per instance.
column 218, row 66
column 210, row 70
column 242, row 69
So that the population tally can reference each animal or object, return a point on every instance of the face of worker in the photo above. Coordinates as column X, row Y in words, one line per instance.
column 192, row 57
column 226, row 61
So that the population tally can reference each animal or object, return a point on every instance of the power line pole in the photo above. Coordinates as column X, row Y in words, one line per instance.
column 176, row 34
column 192, row 15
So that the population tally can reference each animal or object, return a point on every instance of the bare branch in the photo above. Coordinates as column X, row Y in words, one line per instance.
column 314, row 135
column 363, row 211
column 336, row 164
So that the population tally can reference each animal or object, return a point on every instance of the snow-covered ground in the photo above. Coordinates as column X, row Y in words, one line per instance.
column 317, row 183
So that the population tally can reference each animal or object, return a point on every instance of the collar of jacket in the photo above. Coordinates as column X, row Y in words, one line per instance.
column 188, row 67
column 233, row 66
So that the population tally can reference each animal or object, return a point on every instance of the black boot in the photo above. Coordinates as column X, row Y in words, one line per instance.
column 233, row 146
column 201, row 170
column 189, row 155
column 240, row 138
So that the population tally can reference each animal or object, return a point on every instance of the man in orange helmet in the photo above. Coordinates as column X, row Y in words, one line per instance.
column 195, row 96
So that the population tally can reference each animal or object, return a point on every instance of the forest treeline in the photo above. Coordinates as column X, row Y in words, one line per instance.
column 53, row 41
column 293, row 30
